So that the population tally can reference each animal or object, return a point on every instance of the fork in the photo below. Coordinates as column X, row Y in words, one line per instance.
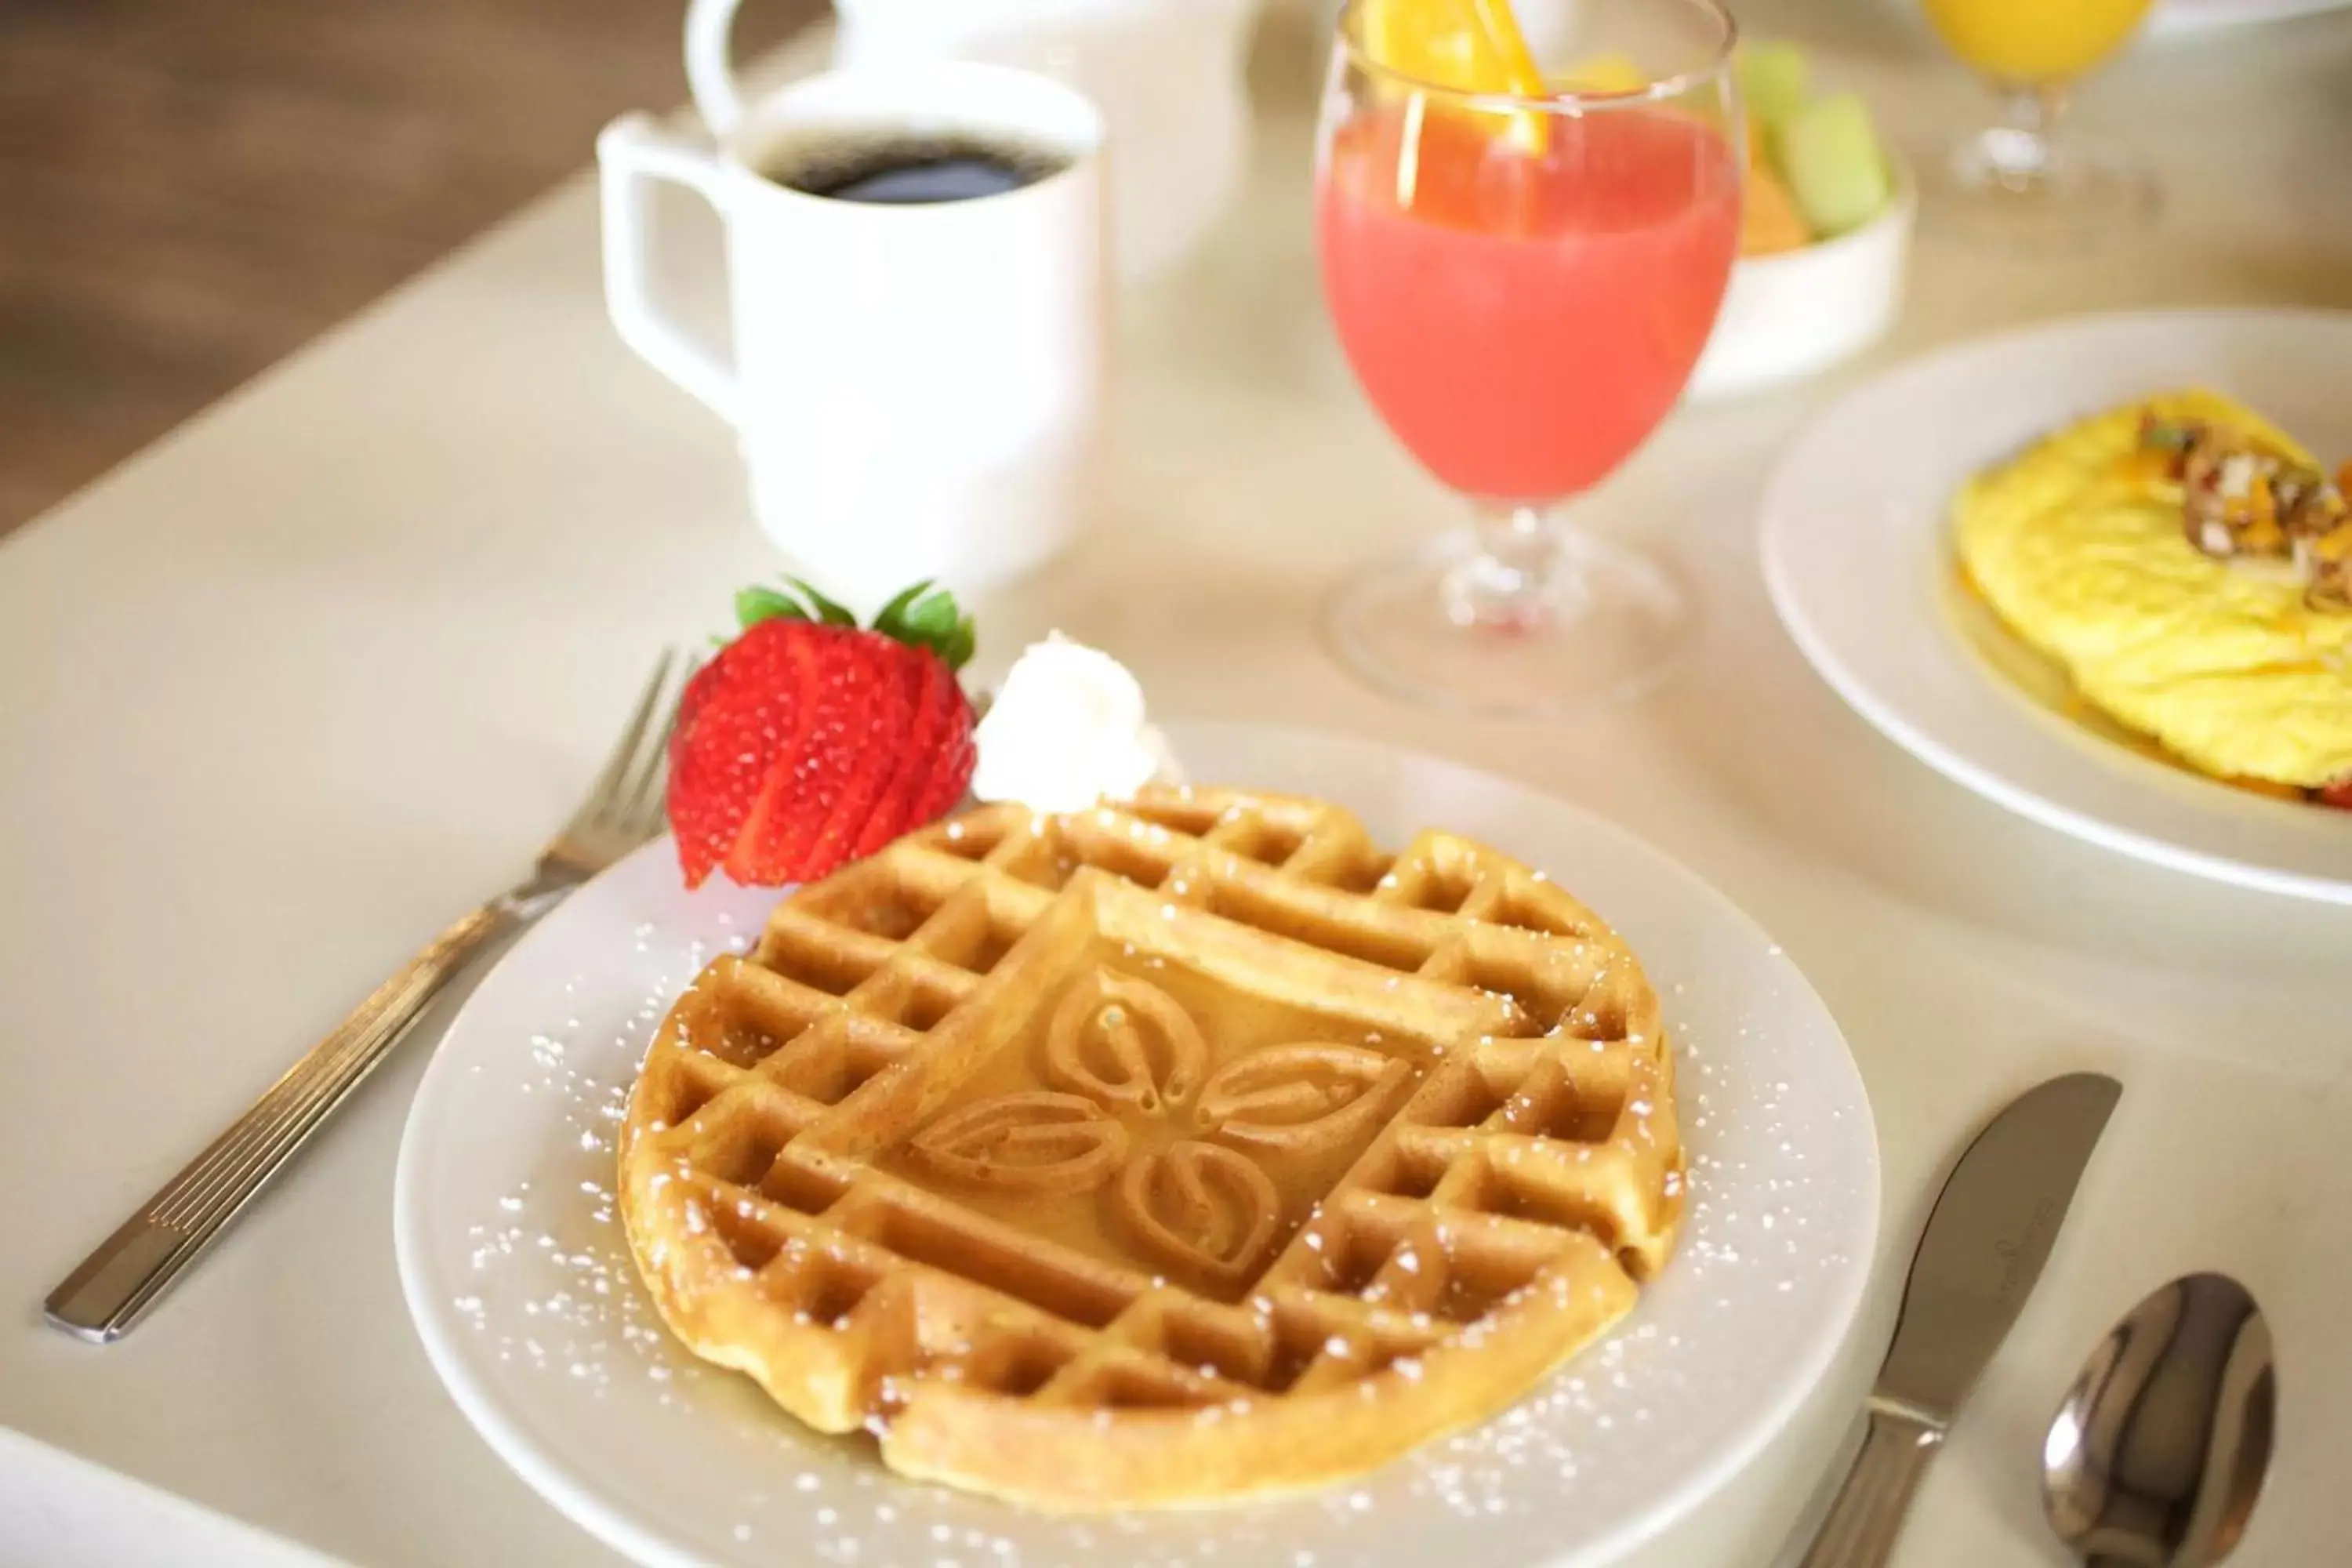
column 132, row 1269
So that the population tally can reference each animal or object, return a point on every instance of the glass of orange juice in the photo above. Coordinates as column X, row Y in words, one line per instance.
column 2019, row 180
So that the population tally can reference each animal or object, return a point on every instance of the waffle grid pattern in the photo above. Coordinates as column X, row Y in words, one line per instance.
column 1499, row 1217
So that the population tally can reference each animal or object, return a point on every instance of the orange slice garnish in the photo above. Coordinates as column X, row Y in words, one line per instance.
column 1468, row 46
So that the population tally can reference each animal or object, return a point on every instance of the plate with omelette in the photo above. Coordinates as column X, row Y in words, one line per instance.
column 2100, row 571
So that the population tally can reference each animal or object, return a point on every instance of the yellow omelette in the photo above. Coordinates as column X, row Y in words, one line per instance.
column 2079, row 545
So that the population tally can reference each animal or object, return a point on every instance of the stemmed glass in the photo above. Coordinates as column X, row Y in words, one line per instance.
column 2021, row 182
column 1523, row 282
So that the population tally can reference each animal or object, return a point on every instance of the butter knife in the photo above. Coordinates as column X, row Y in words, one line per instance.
column 1983, row 1248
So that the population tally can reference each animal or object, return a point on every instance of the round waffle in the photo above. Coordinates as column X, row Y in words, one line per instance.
column 1160, row 1154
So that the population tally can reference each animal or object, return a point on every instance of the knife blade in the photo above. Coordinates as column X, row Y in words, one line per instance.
column 1984, row 1246
column 1986, row 1241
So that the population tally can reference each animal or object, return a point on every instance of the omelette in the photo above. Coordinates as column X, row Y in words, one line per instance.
column 2187, row 565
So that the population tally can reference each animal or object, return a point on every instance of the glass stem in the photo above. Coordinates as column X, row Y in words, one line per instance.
column 2016, row 148
column 1521, row 576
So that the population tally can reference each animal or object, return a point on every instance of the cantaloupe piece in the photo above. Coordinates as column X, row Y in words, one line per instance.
column 1769, row 219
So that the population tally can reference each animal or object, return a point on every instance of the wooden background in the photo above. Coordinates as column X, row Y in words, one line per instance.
column 190, row 189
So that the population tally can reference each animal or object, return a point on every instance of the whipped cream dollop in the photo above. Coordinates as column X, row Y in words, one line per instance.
column 1068, row 731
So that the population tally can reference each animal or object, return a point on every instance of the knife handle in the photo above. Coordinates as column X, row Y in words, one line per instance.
column 1864, row 1521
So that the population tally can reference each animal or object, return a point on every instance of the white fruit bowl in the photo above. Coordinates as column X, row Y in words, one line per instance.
column 1798, row 312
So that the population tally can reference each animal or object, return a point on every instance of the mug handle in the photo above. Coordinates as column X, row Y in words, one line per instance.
column 632, row 152
column 711, row 63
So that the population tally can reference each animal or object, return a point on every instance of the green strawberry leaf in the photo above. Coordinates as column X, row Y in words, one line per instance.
column 892, row 621
column 753, row 605
column 923, row 617
column 933, row 619
column 827, row 611
column 959, row 647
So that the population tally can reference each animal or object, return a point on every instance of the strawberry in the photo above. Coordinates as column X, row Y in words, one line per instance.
column 809, row 742
column 937, row 765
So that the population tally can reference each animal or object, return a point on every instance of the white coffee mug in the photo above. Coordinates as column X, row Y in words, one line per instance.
column 915, row 389
column 1168, row 75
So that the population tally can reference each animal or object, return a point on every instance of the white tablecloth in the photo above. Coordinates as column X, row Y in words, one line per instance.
column 287, row 691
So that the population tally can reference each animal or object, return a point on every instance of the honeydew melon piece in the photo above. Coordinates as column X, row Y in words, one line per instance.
column 1829, row 155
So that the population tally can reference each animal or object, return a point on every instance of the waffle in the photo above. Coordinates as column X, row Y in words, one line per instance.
column 1159, row 1155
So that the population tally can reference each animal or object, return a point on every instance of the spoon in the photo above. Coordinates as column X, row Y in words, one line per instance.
column 2157, row 1452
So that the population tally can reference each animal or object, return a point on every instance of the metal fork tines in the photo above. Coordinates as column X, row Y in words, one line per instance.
column 132, row 1269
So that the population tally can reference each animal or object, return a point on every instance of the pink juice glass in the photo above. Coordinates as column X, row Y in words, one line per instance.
column 1523, row 286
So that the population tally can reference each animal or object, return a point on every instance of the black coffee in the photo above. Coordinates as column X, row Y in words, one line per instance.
column 914, row 171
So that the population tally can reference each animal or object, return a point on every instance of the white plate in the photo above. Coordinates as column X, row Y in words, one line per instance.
column 2194, row 19
column 518, row 1278
column 1857, row 555
column 2170, row 19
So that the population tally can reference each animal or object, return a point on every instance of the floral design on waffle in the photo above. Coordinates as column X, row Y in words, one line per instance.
column 1120, row 1050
